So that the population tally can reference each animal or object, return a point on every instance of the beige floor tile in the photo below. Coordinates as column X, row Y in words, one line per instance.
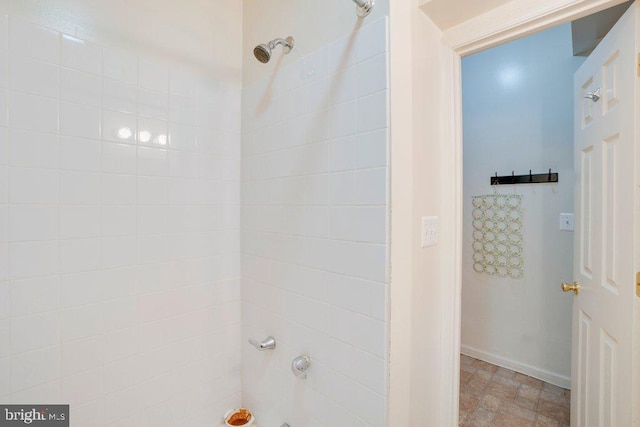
column 526, row 403
column 528, row 392
column 502, row 391
column 525, row 379
column 505, row 419
column 491, row 396
column 468, row 402
column 553, row 411
column 513, row 408
column 490, row 403
column 556, row 399
column 542, row 421
column 553, row 389
column 506, row 373
column 485, row 366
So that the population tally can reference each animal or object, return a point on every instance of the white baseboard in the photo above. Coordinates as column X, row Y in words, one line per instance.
column 541, row 374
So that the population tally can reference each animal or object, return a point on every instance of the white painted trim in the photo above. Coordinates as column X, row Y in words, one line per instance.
column 532, row 371
column 516, row 19
column 451, row 227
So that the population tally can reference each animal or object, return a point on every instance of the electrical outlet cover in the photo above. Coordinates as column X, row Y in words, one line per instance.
column 429, row 235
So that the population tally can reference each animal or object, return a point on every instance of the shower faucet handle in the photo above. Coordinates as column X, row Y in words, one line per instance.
column 268, row 343
column 300, row 365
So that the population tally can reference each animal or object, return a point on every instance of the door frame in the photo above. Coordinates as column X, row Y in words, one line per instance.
column 514, row 20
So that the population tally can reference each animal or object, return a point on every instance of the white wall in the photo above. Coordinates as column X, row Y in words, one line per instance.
column 314, row 234
column 518, row 115
column 420, row 280
column 119, row 258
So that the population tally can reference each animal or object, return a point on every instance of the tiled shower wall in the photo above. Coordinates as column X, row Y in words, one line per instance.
column 314, row 234
column 119, row 233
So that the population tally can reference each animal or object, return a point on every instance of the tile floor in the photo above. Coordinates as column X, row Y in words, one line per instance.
column 497, row 397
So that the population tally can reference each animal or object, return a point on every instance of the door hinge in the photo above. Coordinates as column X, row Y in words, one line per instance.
column 639, row 65
column 638, row 284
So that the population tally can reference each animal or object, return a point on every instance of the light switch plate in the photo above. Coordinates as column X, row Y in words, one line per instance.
column 566, row 222
column 429, row 231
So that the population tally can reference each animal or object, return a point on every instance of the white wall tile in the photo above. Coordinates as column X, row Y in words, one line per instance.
column 120, row 65
column 5, row 375
column 153, row 104
column 5, row 334
column 343, row 119
column 119, row 282
column 80, row 322
column 33, row 332
column 118, row 251
column 120, row 96
column 79, row 255
column 4, row 146
column 31, row 296
column 34, row 368
column 118, row 189
column 33, row 40
column 4, row 108
column 372, row 75
column 79, row 120
column 80, row 355
column 5, row 300
column 152, row 132
column 79, row 188
column 372, row 39
column 79, row 154
column 33, row 112
column 4, row 68
column 118, row 221
column 152, row 190
column 371, row 186
column 153, row 75
column 33, row 76
column 182, row 137
column 33, row 223
column 372, row 112
column 371, row 149
column 29, row 259
column 119, row 158
column 79, row 221
column 82, row 387
column 119, row 127
column 80, row 288
column 4, row 32
column 34, row 149
column 81, row 55
column 33, row 186
column 121, row 344
column 152, row 161
column 80, row 87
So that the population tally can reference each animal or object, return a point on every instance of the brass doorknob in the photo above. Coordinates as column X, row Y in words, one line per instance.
column 566, row 287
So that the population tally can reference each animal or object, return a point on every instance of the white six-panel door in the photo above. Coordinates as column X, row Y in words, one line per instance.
column 604, row 205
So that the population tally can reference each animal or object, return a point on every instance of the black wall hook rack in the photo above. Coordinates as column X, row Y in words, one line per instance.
column 539, row 178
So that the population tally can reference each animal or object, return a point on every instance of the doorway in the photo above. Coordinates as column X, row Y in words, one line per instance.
column 518, row 103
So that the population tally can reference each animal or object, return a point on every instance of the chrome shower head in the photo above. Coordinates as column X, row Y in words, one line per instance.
column 263, row 52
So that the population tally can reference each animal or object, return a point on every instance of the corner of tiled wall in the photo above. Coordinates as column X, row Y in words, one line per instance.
column 314, row 234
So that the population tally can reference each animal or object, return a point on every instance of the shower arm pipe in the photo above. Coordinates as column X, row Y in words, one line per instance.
column 364, row 7
column 286, row 44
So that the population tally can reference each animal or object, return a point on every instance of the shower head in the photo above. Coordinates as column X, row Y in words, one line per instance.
column 262, row 52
